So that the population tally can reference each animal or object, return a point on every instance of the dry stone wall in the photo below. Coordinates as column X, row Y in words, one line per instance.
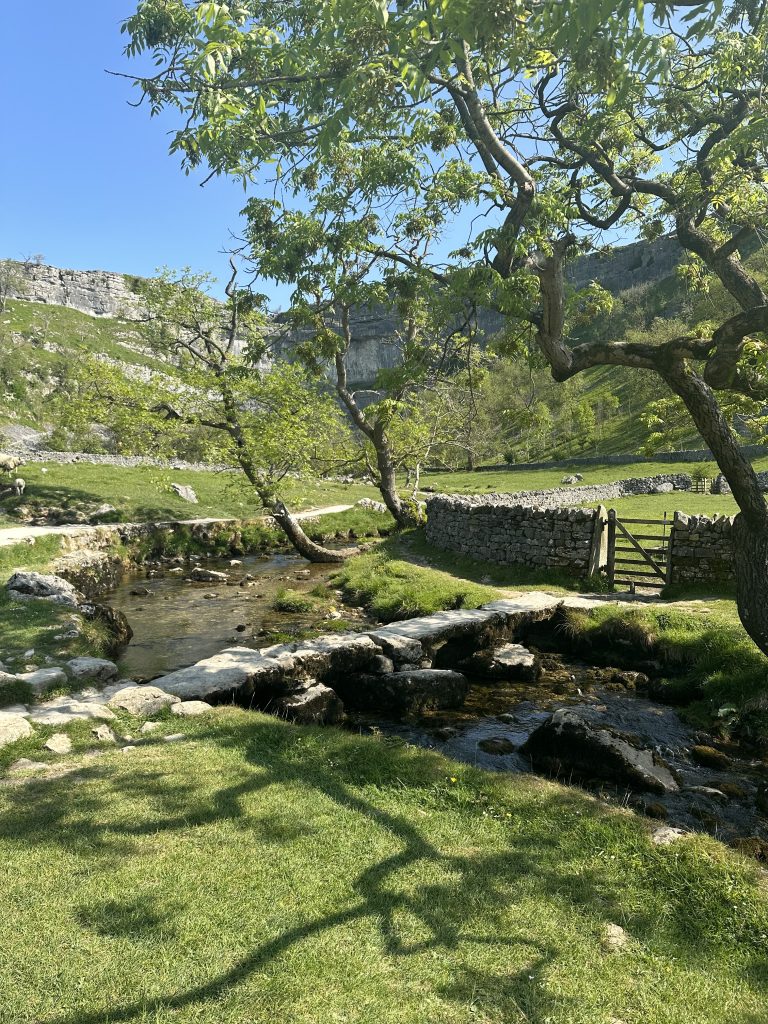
column 702, row 549
column 584, row 494
column 496, row 530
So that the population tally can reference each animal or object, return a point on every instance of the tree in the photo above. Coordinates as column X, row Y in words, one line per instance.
column 270, row 418
column 547, row 124
column 10, row 282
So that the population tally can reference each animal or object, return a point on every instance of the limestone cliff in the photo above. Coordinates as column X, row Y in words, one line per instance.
column 101, row 293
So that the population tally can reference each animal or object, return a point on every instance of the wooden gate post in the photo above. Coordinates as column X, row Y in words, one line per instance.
column 597, row 551
column 611, row 552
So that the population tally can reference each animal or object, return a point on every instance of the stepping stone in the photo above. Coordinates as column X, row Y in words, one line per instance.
column 25, row 764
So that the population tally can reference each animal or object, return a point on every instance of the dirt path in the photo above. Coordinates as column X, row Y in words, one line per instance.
column 28, row 534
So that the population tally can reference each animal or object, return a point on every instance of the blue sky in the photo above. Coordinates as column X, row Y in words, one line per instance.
column 85, row 179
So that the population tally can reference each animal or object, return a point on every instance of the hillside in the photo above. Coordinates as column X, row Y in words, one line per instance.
column 523, row 414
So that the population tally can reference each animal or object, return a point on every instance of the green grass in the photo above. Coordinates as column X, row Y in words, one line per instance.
column 144, row 493
column 261, row 872
column 391, row 585
column 289, row 600
column 72, row 330
column 504, row 481
column 702, row 649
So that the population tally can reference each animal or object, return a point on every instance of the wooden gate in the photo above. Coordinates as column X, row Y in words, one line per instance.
column 638, row 551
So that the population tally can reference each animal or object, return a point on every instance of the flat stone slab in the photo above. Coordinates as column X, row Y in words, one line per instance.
column 432, row 629
column 240, row 668
column 63, row 710
column 45, row 679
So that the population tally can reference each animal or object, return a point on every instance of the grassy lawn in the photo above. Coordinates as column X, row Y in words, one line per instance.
column 261, row 872
column 653, row 506
column 404, row 576
column 144, row 493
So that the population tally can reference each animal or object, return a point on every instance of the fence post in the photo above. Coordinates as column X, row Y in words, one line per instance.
column 598, row 548
column 670, row 549
column 611, row 552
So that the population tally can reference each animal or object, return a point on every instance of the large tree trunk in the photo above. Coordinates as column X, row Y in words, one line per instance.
column 303, row 544
column 750, row 528
column 401, row 511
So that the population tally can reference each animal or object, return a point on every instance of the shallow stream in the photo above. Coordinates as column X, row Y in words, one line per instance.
column 177, row 623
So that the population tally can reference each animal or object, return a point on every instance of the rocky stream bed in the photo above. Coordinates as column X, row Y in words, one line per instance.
column 456, row 681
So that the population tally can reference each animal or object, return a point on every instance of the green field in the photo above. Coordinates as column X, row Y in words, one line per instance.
column 144, row 493
column 257, row 872
column 507, row 480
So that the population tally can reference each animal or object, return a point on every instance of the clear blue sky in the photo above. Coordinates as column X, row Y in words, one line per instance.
column 85, row 179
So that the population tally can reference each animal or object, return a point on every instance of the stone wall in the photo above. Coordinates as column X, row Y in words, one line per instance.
column 494, row 529
column 701, row 549
column 585, row 494
column 685, row 455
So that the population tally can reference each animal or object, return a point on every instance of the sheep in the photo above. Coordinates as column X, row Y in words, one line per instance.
column 9, row 462
column 18, row 486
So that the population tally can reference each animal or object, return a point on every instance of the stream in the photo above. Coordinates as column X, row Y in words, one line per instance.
column 177, row 623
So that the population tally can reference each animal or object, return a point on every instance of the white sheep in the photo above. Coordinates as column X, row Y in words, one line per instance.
column 9, row 462
column 18, row 486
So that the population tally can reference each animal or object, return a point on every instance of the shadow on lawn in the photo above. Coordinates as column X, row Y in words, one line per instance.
column 71, row 814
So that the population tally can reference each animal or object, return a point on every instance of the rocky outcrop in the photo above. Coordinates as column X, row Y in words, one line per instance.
column 96, row 292
column 567, row 744
column 28, row 586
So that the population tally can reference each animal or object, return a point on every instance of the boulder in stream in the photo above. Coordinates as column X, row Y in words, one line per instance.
column 511, row 662
column 568, row 744
column 201, row 575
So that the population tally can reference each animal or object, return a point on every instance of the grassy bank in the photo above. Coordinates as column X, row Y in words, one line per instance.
column 144, row 493
column 340, row 878
column 405, row 576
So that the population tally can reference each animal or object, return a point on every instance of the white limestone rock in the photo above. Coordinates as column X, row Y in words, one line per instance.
column 12, row 728
column 190, row 708
column 142, row 701
column 27, row 586
column 185, row 492
column 91, row 670
column 59, row 743
column 45, row 679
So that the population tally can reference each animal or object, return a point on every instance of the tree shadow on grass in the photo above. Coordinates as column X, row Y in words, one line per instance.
column 463, row 887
